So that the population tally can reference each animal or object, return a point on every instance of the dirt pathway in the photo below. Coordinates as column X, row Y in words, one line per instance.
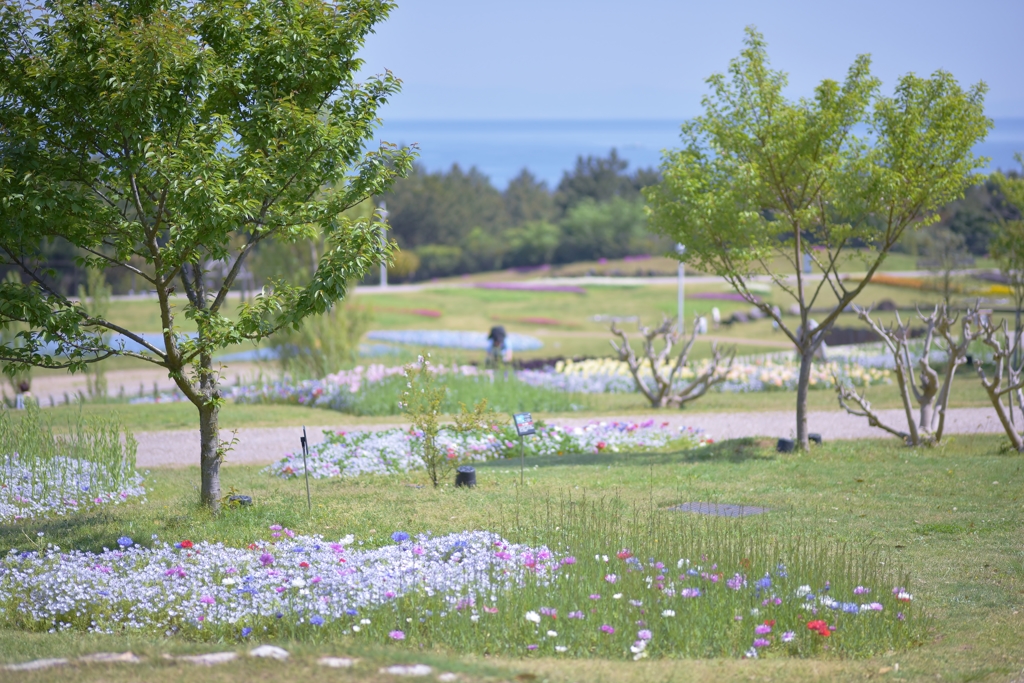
column 264, row 445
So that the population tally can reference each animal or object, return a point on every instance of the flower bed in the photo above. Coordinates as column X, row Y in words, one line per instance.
column 396, row 450
column 45, row 471
column 59, row 487
column 473, row 591
column 201, row 587
column 610, row 375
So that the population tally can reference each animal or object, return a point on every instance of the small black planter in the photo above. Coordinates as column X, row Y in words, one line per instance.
column 465, row 476
column 244, row 501
column 815, row 437
column 784, row 446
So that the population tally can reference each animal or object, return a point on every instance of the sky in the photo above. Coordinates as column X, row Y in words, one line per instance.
column 648, row 59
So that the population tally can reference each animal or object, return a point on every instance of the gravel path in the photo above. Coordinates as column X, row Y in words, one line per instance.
column 265, row 445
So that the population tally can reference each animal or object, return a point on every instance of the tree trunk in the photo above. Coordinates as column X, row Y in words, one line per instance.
column 806, row 358
column 209, row 435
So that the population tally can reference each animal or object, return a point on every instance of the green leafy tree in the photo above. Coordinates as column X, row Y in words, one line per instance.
column 528, row 199
column 610, row 229
column 762, row 179
column 1008, row 248
column 171, row 135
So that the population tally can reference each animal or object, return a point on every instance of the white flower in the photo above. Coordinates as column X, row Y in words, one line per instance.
column 617, row 596
column 356, row 629
column 668, row 613
column 475, row 618
column 298, row 583
column 552, row 634
column 638, row 656
column 227, row 582
column 533, row 616
column 802, row 591
column 754, row 612
column 751, row 653
column 560, row 648
column 638, row 647
column 364, row 621
column 348, row 540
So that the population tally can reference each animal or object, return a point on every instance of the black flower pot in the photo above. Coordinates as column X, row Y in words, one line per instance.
column 465, row 476
column 784, row 446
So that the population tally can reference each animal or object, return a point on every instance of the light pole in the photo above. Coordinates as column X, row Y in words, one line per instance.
column 680, row 249
column 383, row 211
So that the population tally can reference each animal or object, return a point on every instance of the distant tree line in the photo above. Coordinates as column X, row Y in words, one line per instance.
column 456, row 221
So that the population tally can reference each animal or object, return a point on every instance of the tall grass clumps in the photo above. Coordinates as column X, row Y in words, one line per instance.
column 596, row 580
column 47, row 471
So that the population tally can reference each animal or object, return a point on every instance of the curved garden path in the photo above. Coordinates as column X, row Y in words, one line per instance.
column 264, row 445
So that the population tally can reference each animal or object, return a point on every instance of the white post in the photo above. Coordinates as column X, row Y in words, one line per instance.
column 680, row 249
column 383, row 240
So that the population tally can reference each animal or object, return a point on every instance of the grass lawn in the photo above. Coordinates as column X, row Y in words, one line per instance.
column 564, row 321
column 951, row 517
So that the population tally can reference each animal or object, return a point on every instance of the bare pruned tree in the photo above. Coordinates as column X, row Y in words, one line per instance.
column 930, row 394
column 665, row 365
column 1004, row 345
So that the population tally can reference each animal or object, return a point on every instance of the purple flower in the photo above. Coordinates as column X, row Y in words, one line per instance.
column 207, row 600
column 569, row 560
column 644, row 634
column 762, row 629
column 595, row 596
column 611, row 578
column 266, row 559
column 246, row 631
column 762, row 642
column 531, row 647
column 788, row 637
column 396, row 635
column 605, row 628
column 736, row 582
column 125, row 542
column 575, row 615
column 689, row 593
column 861, row 590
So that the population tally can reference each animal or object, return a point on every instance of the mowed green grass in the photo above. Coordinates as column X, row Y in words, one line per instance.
column 951, row 516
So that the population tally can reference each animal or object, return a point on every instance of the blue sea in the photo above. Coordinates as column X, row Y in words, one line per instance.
column 501, row 149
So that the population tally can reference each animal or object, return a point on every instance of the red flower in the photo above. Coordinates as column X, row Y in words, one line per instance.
column 820, row 626
column 186, row 544
column 624, row 554
column 304, row 565
column 252, row 546
column 769, row 622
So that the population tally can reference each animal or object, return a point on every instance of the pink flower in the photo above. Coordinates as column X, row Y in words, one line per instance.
column 605, row 628
column 611, row 578
column 762, row 629
column 207, row 600
column 396, row 635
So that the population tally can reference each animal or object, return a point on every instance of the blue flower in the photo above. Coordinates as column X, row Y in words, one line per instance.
column 125, row 542
column 850, row 607
column 351, row 611
column 399, row 536
column 316, row 620
column 766, row 582
column 246, row 631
